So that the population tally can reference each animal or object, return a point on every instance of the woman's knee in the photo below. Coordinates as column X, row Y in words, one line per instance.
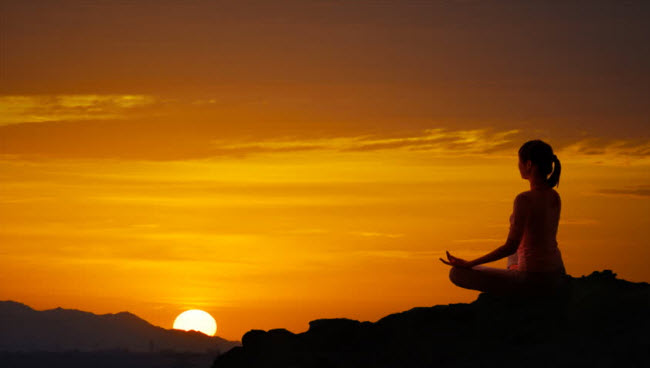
column 455, row 275
column 468, row 278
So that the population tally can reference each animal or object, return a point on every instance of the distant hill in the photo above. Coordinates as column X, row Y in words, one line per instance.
column 599, row 321
column 23, row 329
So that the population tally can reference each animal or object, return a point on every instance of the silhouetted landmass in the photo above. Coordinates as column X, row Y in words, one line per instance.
column 598, row 321
column 106, row 359
column 25, row 330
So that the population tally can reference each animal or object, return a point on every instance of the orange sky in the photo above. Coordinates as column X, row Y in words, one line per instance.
column 277, row 163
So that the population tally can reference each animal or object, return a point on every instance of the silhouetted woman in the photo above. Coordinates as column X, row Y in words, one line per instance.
column 534, row 260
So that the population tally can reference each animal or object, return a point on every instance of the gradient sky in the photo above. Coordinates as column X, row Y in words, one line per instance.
column 275, row 162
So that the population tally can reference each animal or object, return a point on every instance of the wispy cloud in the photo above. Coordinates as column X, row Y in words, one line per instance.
column 609, row 152
column 436, row 140
column 579, row 222
column 396, row 253
column 376, row 234
column 64, row 132
column 442, row 141
column 641, row 191
column 306, row 231
column 477, row 240
column 46, row 108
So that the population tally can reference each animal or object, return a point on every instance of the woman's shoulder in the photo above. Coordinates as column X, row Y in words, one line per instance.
column 531, row 193
column 523, row 196
column 554, row 195
column 523, row 199
column 528, row 197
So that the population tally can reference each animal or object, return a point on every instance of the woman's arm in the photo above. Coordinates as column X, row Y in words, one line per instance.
column 520, row 211
column 517, row 225
column 503, row 251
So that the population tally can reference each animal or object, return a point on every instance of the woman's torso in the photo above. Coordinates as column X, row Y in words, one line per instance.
column 538, row 250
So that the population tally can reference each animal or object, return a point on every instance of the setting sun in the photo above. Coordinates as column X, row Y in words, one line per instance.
column 196, row 320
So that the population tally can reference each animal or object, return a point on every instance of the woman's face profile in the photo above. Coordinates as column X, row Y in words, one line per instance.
column 524, row 169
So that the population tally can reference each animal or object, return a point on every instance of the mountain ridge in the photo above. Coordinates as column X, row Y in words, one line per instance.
column 25, row 329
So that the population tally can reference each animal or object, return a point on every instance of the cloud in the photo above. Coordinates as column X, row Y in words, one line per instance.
column 396, row 254
column 641, row 191
column 441, row 140
column 376, row 234
column 608, row 151
column 436, row 140
column 107, row 132
column 48, row 108
column 579, row 222
column 308, row 231
column 246, row 150
column 478, row 240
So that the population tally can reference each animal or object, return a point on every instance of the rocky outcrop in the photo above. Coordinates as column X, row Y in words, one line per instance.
column 598, row 320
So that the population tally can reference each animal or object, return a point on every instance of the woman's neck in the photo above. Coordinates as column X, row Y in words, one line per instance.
column 537, row 183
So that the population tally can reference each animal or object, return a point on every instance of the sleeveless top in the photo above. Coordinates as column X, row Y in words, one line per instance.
column 533, row 223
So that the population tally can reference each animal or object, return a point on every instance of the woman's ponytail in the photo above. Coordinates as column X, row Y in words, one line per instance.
column 554, row 179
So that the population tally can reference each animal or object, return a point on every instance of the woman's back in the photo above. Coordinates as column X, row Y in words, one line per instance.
column 538, row 251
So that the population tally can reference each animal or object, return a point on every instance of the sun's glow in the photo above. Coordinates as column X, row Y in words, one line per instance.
column 197, row 320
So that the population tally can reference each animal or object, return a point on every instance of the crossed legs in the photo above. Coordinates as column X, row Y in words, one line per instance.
column 487, row 279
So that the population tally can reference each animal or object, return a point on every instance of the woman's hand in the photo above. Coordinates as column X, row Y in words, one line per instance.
column 457, row 262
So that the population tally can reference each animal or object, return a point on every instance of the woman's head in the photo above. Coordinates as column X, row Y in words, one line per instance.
column 538, row 155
